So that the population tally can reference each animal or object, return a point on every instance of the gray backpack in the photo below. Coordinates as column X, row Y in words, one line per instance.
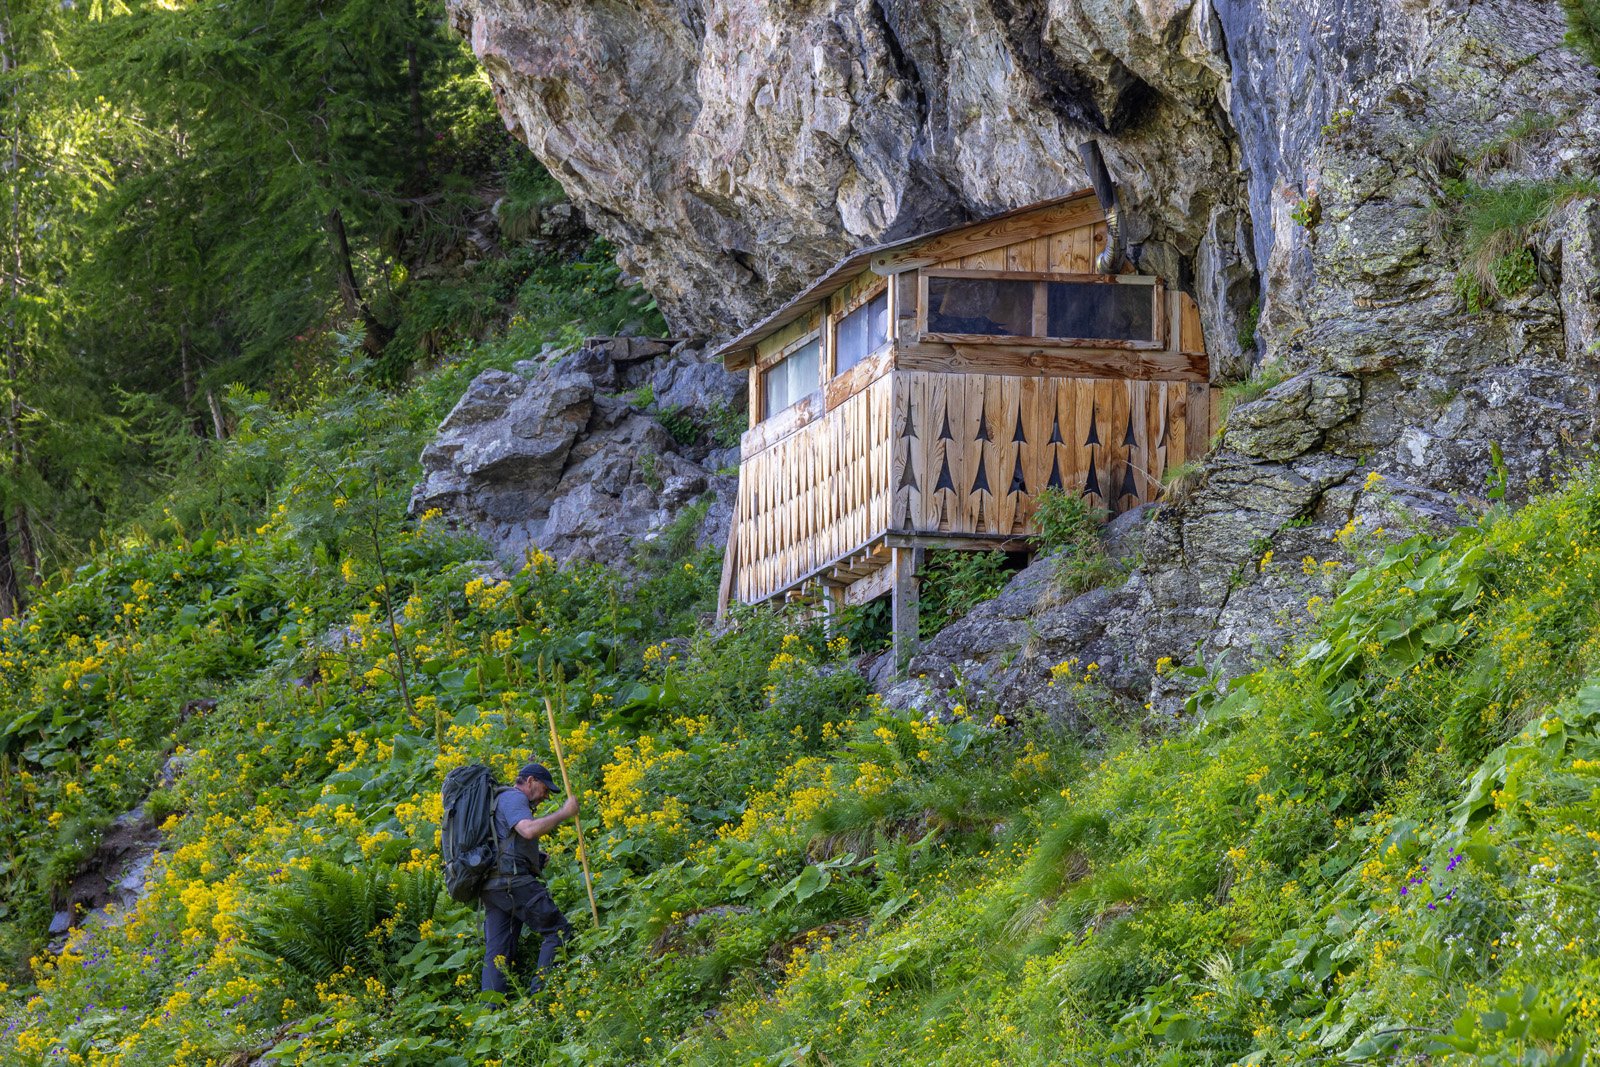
column 466, row 835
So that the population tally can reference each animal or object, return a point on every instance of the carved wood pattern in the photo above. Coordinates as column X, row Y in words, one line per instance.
column 929, row 453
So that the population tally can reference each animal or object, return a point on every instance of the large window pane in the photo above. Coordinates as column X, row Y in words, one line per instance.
column 1102, row 310
column 862, row 332
column 980, row 306
column 792, row 378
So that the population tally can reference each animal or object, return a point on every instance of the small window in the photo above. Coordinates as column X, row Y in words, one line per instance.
column 1100, row 310
column 1065, row 310
column 980, row 306
column 792, row 378
column 861, row 333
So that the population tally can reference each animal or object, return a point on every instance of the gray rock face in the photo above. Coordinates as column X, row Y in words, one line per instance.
column 560, row 456
column 115, row 873
column 1309, row 155
column 732, row 150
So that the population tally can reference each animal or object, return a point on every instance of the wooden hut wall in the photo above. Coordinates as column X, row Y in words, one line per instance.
column 950, row 439
column 973, row 451
column 1067, row 251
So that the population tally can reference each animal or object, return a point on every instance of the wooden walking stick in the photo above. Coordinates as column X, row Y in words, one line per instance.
column 561, row 762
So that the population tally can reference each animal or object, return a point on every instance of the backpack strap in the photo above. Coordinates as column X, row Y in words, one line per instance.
column 505, row 863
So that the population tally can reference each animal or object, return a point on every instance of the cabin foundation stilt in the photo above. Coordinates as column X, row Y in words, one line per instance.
column 832, row 606
column 904, row 606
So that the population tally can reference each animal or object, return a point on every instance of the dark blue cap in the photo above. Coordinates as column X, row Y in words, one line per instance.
column 538, row 773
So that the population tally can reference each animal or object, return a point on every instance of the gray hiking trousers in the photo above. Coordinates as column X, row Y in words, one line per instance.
column 509, row 904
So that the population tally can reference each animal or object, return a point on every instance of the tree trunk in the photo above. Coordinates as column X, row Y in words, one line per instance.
column 27, row 551
column 10, row 588
column 218, row 423
column 197, row 422
column 419, row 128
column 23, row 534
column 378, row 334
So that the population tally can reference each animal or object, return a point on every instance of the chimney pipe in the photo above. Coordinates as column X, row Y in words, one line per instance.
column 1111, row 260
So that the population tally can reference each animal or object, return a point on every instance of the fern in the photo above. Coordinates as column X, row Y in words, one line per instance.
column 416, row 897
column 323, row 921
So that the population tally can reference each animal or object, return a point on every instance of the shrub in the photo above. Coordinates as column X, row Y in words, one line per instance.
column 330, row 917
column 1069, row 527
column 953, row 583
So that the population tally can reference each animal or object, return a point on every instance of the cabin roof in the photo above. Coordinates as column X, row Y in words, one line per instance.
column 739, row 352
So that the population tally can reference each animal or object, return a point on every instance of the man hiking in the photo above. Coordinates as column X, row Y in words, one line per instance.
column 514, row 896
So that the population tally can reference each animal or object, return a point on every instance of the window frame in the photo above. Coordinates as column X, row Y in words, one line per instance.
column 770, row 363
column 1041, row 280
column 860, row 300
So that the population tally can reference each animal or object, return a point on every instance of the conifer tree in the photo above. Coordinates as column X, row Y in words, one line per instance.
column 50, row 172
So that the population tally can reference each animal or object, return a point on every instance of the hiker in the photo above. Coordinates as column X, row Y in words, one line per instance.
column 514, row 897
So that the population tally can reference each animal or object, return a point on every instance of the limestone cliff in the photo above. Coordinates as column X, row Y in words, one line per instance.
column 1310, row 159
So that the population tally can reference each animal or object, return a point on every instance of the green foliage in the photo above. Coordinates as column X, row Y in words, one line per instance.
column 330, row 918
column 1497, row 225
column 1514, row 272
column 1583, row 28
column 1338, row 122
column 1248, row 325
column 681, row 424
column 1307, row 213
column 728, row 424
column 1376, row 846
column 529, row 190
column 954, row 582
column 1263, row 376
column 1069, row 528
column 227, row 195
column 55, row 166
column 722, row 426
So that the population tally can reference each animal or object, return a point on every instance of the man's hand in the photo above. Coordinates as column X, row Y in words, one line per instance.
column 532, row 828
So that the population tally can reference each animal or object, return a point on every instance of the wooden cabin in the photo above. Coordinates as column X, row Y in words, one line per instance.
column 922, row 394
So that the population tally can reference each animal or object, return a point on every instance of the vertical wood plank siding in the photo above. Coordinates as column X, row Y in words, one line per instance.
column 924, row 452
column 814, row 496
column 982, row 447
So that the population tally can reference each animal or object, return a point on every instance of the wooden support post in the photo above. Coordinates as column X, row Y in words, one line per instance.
column 904, row 606
column 832, row 605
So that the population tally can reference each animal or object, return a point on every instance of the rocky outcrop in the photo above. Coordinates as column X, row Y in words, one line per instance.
column 113, row 876
column 1314, row 158
column 732, row 150
column 572, row 454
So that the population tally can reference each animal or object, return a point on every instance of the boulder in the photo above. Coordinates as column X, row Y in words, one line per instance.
column 557, row 455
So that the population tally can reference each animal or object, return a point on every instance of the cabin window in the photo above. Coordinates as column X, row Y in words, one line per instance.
column 981, row 305
column 1036, row 308
column 861, row 333
column 1100, row 310
column 790, row 379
